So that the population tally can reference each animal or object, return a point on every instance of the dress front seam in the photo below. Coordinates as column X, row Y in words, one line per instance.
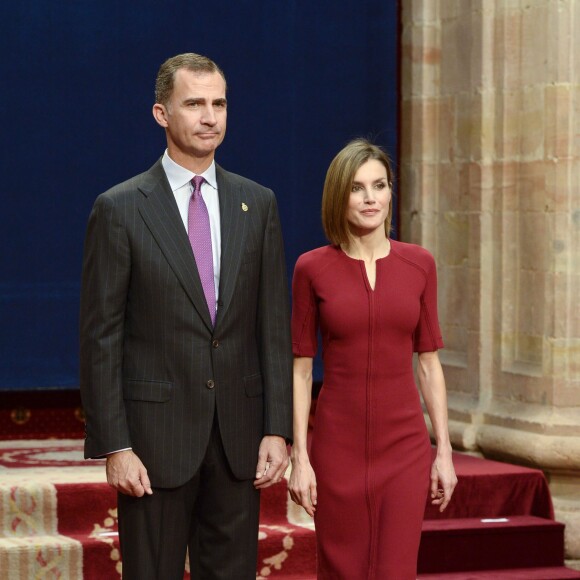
column 369, row 417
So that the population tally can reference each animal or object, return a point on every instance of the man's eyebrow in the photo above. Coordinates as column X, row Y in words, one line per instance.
column 220, row 101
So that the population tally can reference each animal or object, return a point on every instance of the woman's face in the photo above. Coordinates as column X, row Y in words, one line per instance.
column 370, row 197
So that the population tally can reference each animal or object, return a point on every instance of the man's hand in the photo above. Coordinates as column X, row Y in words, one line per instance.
column 127, row 474
column 272, row 461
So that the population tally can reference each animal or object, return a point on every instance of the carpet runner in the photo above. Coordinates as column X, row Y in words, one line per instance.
column 58, row 520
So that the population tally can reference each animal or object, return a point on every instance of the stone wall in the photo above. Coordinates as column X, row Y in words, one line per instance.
column 490, row 183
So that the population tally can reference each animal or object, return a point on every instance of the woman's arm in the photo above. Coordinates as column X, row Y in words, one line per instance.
column 432, row 385
column 302, row 485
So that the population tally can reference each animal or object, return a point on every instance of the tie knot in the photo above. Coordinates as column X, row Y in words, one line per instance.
column 197, row 181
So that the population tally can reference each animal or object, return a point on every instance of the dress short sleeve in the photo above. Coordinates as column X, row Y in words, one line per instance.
column 304, row 311
column 427, row 335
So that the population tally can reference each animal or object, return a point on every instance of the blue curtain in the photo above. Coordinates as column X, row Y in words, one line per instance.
column 77, row 90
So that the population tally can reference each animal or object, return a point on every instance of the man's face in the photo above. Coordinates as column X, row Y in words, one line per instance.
column 195, row 115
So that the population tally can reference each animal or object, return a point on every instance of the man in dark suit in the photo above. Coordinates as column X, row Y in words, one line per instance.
column 185, row 344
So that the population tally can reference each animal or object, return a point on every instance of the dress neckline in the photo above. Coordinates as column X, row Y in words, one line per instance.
column 341, row 251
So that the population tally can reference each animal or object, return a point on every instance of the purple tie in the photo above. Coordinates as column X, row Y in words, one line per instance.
column 199, row 234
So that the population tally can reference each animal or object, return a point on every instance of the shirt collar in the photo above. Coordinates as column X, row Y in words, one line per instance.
column 178, row 176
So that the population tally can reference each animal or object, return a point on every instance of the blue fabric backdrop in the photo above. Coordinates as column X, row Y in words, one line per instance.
column 77, row 89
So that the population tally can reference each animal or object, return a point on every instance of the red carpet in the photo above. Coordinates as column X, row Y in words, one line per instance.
column 41, row 415
column 492, row 489
column 58, row 517
column 552, row 573
column 467, row 544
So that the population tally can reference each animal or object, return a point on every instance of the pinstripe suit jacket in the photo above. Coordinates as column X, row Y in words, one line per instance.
column 152, row 367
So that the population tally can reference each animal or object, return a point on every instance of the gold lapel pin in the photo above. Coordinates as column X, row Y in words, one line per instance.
column 244, row 207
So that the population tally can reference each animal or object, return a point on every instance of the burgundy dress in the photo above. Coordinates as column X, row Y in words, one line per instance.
column 370, row 447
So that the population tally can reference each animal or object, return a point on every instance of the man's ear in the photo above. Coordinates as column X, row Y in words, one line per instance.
column 160, row 114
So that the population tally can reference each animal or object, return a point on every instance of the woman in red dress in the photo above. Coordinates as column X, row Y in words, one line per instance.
column 374, row 301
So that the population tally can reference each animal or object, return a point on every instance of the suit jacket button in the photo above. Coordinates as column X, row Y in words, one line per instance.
column 215, row 343
column 210, row 384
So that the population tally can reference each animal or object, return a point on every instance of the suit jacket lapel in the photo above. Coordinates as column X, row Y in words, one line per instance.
column 160, row 213
column 233, row 232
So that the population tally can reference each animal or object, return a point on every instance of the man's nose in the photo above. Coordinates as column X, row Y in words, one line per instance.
column 208, row 117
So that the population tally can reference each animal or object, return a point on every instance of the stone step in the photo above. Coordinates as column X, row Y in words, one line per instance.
column 285, row 552
column 550, row 573
column 456, row 545
column 40, row 556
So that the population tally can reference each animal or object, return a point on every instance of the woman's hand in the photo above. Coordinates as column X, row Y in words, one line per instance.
column 443, row 479
column 302, row 485
column 432, row 385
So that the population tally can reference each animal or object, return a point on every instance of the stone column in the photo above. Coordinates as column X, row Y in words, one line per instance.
column 490, row 183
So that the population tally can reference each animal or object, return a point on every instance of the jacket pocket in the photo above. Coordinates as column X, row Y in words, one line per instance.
column 253, row 385
column 143, row 390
